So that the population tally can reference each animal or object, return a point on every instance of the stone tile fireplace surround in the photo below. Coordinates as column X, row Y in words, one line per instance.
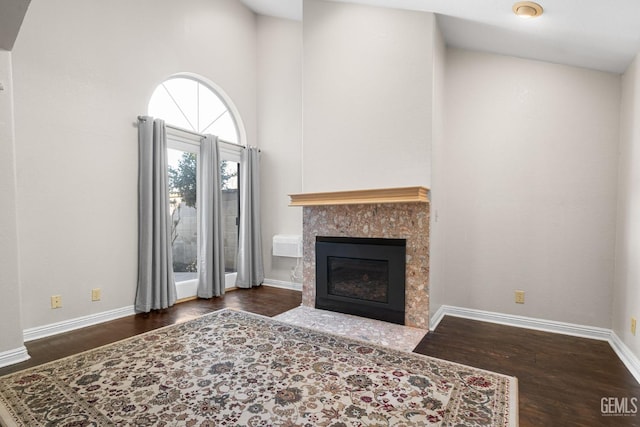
column 401, row 213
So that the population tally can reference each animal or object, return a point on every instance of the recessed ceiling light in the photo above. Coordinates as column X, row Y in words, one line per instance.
column 527, row 9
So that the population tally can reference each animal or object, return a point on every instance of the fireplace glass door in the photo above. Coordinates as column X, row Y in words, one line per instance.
column 363, row 279
column 361, row 276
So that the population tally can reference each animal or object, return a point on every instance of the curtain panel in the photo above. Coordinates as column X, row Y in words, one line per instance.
column 211, row 276
column 156, row 285
column 250, row 263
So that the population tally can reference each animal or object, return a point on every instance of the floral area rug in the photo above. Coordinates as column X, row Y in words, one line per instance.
column 232, row 368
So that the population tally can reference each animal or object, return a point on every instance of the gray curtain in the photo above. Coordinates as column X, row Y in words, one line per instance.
column 250, row 267
column 211, row 281
column 156, row 284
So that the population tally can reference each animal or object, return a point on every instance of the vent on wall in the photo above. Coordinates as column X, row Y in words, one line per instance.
column 287, row 245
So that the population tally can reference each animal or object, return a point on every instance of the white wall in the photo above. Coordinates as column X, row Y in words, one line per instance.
column 279, row 134
column 10, row 312
column 367, row 97
column 437, row 278
column 83, row 72
column 524, row 189
column 626, row 291
column 530, row 168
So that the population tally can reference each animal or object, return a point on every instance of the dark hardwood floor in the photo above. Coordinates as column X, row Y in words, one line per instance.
column 561, row 379
column 263, row 300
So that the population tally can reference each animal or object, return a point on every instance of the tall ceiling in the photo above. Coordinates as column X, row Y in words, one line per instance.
column 597, row 34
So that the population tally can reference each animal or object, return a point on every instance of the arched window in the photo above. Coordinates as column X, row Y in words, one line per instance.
column 192, row 104
column 189, row 103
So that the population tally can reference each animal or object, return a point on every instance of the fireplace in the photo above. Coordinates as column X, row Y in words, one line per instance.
column 361, row 276
column 391, row 213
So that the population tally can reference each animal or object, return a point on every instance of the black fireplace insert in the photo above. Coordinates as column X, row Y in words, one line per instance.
column 361, row 276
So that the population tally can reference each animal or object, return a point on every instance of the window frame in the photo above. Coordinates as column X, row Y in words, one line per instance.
column 185, row 141
column 189, row 141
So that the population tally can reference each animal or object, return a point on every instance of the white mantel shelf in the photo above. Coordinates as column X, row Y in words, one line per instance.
column 359, row 197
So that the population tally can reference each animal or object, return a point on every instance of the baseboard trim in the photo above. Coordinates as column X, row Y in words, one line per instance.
column 436, row 318
column 623, row 352
column 553, row 326
column 77, row 323
column 94, row 319
column 627, row 357
column 282, row 284
column 14, row 356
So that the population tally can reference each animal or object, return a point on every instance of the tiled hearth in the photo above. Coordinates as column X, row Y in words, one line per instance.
column 395, row 217
column 377, row 332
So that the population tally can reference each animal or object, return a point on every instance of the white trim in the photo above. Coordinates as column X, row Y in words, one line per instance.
column 230, row 151
column 536, row 324
column 627, row 357
column 282, row 284
column 189, row 288
column 178, row 139
column 436, row 318
column 14, row 356
column 186, row 289
column 77, row 323
column 230, row 280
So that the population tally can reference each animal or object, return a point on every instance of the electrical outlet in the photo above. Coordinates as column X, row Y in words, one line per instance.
column 633, row 325
column 519, row 297
column 96, row 294
column 56, row 301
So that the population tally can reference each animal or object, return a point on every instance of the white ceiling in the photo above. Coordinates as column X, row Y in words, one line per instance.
column 11, row 15
column 598, row 34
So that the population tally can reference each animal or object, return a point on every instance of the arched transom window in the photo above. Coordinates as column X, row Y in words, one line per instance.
column 191, row 104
